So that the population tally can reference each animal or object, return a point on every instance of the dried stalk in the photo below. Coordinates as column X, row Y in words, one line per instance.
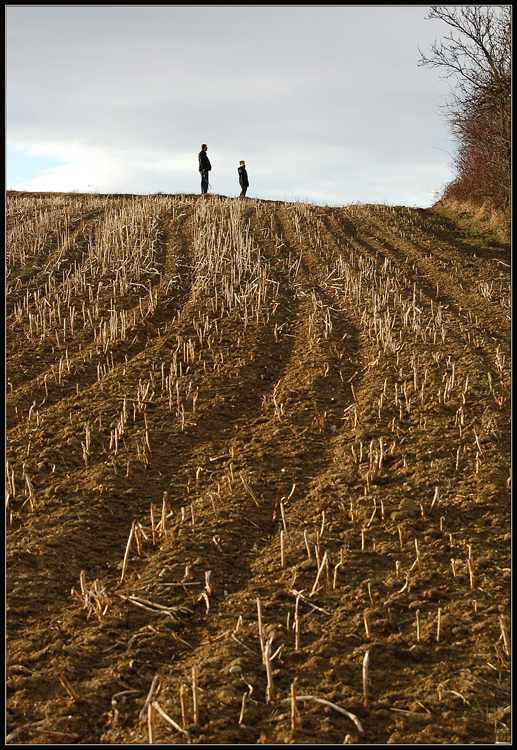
column 243, row 708
column 270, row 690
column 418, row 559
column 312, row 606
column 184, row 706
column 261, row 632
column 168, row 719
column 321, row 568
column 151, row 714
column 297, row 625
column 153, row 527
column 405, row 587
column 295, row 716
column 155, row 687
column 336, row 568
column 126, row 555
column 181, row 641
column 94, row 599
column 504, row 634
column 249, row 490
column 502, row 657
column 164, row 513
column 195, row 696
column 69, row 689
column 282, row 511
column 38, row 730
column 325, row 702
column 471, row 574
column 154, row 606
column 366, row 694
column 367, row 624
column 307, row 545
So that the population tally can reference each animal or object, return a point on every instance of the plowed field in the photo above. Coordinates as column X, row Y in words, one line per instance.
column 258, row 474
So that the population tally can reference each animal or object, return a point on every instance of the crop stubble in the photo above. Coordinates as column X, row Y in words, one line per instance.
column 258, row 461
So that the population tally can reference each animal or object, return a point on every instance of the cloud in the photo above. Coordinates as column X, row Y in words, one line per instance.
column 125, row 95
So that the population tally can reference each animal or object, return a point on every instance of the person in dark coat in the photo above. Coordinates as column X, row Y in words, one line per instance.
column 204, row 168
column 243, row 179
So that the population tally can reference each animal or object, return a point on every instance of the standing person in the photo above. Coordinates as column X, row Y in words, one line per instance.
column 243, row 179
column 204, row 168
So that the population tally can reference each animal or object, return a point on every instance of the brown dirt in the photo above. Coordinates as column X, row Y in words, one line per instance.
column 330, row 382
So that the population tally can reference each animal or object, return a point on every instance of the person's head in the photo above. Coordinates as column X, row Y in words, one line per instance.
column 204, row 147
column 241, row 163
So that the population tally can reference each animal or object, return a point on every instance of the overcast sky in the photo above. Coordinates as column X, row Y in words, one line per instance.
column 326, row 104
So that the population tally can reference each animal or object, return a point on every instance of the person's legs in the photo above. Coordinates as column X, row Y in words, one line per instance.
column 204, row 181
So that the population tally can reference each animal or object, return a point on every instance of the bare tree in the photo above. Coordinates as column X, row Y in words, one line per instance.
column 477, row 54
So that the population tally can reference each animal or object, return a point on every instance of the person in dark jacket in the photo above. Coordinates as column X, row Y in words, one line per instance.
column 204, row 168
column 243, row 179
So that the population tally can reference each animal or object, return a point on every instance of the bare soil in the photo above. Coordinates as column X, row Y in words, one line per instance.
column 256, row 451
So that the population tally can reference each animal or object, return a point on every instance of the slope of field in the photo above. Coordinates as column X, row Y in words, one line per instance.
column 258, row 474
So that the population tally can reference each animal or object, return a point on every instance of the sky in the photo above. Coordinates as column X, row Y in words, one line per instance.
column 326, row 104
